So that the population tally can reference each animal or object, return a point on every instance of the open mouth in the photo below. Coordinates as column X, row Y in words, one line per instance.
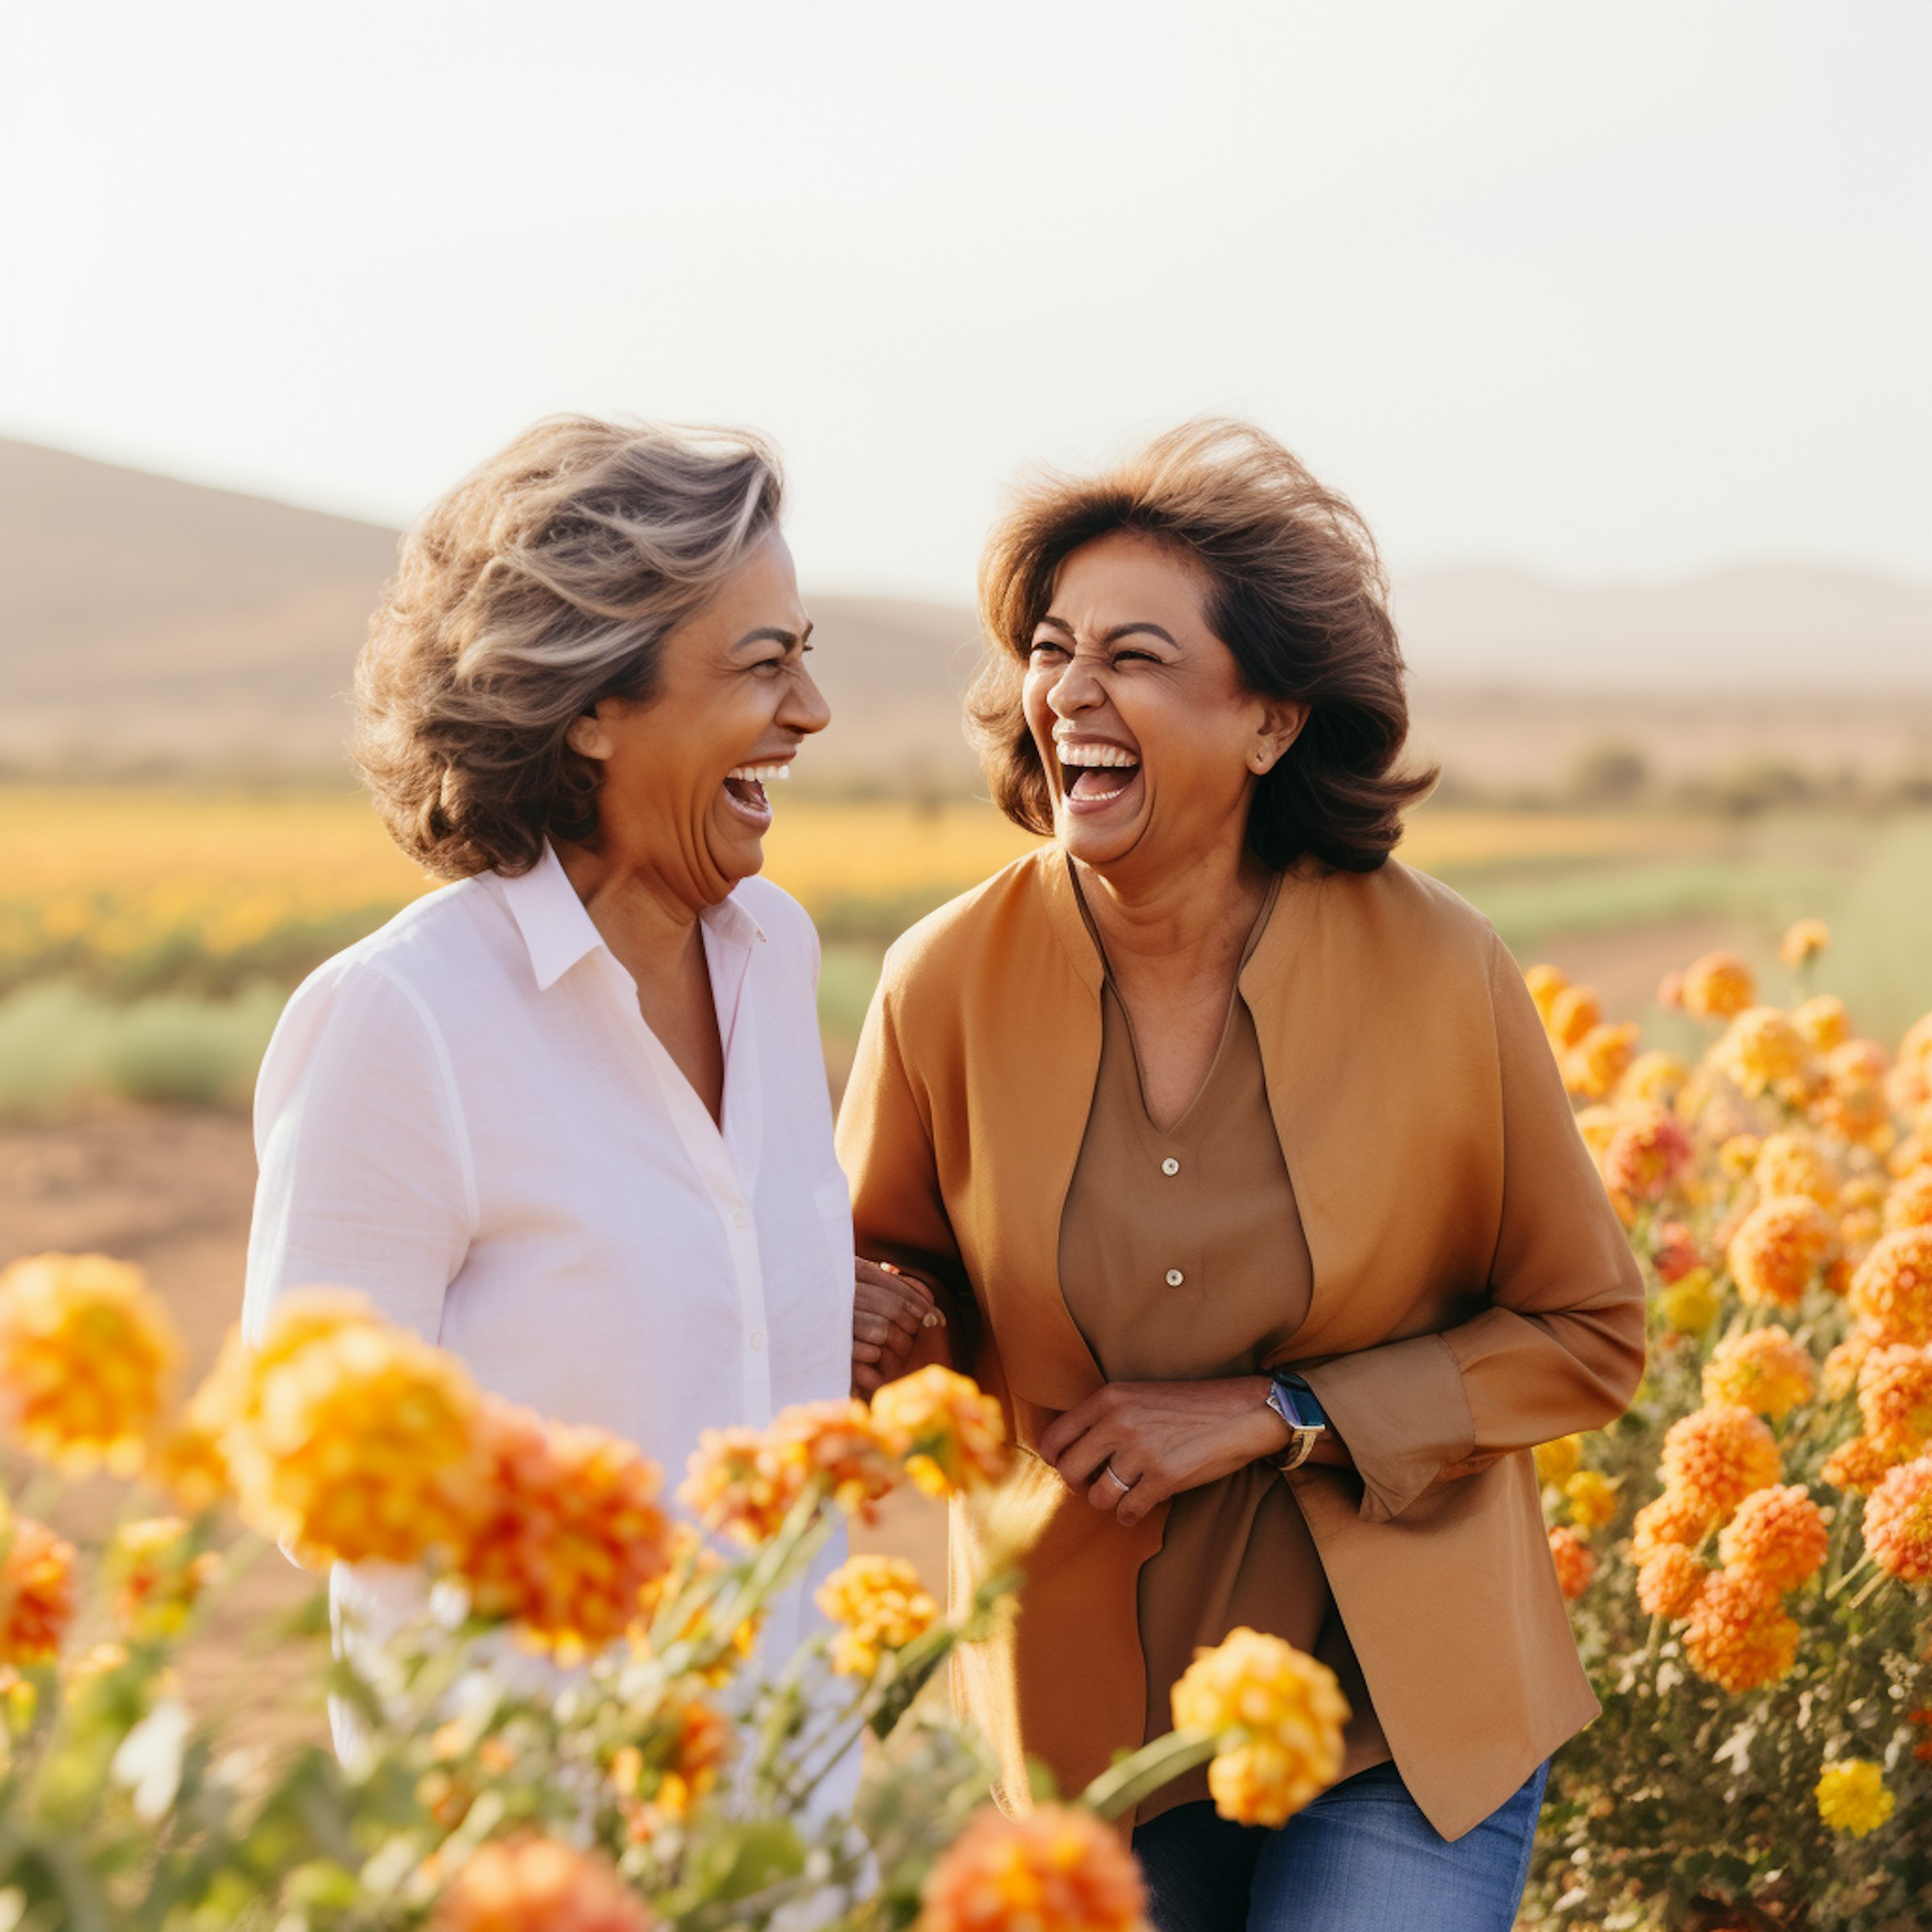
column 745, row 789
column 1094, row 776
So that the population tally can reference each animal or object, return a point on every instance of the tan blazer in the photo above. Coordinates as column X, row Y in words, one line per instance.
column 1473, row 1295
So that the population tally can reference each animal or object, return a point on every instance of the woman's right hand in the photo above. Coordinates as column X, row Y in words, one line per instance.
column 889, row 1312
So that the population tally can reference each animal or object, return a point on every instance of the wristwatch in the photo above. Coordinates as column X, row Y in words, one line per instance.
column 1291, row 1398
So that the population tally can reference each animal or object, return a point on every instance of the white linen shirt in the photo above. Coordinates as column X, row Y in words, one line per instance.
column 465, row 1117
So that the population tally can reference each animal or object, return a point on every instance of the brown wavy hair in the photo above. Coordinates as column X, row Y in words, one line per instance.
column 544, row 582
column 1295, row 590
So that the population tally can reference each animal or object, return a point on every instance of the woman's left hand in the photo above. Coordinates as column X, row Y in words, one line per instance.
column 1134, row 1444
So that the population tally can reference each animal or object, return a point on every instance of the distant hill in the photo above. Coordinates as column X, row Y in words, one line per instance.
column 147, row 623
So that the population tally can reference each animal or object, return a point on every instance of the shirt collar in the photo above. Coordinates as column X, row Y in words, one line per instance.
column 557, row 931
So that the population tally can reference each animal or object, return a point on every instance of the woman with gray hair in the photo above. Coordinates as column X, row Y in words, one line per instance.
column 568, row 1117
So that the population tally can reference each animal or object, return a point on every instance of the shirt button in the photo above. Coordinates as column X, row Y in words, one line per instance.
column 741, row 1218
column 1174, row 1277
column 1170, row 1166
column 756, row 1339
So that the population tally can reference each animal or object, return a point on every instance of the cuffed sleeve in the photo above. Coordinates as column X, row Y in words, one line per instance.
column 1559, row 1348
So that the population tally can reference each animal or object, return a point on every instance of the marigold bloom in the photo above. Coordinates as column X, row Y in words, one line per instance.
column 736, row 1483
column 691, row 1742
column 570, row 1536
column 1691, row 1306
column 1840, row 1374
column 1738, row 1155
column 1573, row 1012
column 1852, row 1797
column 1718, row 985
column 1545, row 983
column 1762, row 1050
column 1558, row 1461
column 1858, row 1467
column 1675, row 1253
column 1056, row 1869
column 186, row 1461
column 159, row 1575
column 1853, row 1102
column 1774, row 1256
column 1655, row 1077
column 1762, row 1370
column 1278, row 1714
column 1575, row 1561
column 1738, row 1637
column 1891, row 1292
column 1910, row 1203
column 1670, row 1583
column 354, row 1441
column 36, row 1592
column 1895, row 1398
column 880, row 1605
column 86, row 1356
column 1595, row 1065
column 1777, row 1536
column 1789, row 1164
column 1648, row 1156
column 1823, row 1021
column 950, row 1436
column 1673, row 1520
column 1598, row 1125
column 537, row 1884
column 748, row 1481
column 1715, row 1457
column 1592, row 1499
column 1898, row 1522
column 1803, row 941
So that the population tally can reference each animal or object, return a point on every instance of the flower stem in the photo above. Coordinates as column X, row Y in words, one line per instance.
column 1121, row 1787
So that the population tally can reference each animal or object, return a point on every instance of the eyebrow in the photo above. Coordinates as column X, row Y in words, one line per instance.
column 1119, row 630
column 769, row 634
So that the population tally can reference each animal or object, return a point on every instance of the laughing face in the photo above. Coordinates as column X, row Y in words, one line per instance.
column 1152, row 745
column 686, row 786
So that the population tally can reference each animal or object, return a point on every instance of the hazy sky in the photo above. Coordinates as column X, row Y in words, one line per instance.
column 1599, row 291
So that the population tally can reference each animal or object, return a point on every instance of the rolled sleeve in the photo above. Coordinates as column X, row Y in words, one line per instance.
column 1403, row 1412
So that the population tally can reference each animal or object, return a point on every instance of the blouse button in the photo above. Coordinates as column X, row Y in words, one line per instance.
column 1174, row 1277
column 1170, row 1166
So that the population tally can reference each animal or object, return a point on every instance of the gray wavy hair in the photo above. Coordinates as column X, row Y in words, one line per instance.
column 545, row 581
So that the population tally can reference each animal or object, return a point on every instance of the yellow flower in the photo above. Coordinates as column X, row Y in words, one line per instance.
column 1714, row 1458
column 537, row 1884
column 1575, row 1561
column 1647, row 1156
column 1055, row 1869
column 1592, row 1499
column 1762, row 1050
column 1595, row 1063
column 880, row 1606
column 1774, row 1257
column 356, row 1442
column 1762, row 1370
column 1738, row 1155
column 1823, row 1021
column 188, row 1463
column 1670, row 1583
column 159, row 1575
column 1558, row 1461
column 1655, row 1077
column 86, row 1356
column 1691, row 1306
column 1852, row 1797
column 949, row 1435
column 570, row 1536
column 1789, row 1164
column 747, row 1482
column 1545, row 983
column 1737, row 1637
column 1910, row 1203
column 1803, row 941
column 1777, row 1536
column 1891, row 1292
column 1898, row 1522
column 1843, row 1364
column 1718, row 985
column 36, row 1592
column 1598, row 1125
column 1573, row 1012
column 1853, row 1103
column 1673, row 1520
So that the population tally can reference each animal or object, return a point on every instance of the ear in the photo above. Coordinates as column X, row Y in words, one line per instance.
column 589, row 737
column 1282, row 721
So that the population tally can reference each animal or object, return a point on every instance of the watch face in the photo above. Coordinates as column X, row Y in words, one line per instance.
column 1300, row 1407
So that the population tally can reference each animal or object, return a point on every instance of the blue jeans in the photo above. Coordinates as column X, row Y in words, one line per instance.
column 1362, row 1858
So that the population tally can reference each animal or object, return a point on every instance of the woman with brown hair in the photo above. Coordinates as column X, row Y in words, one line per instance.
column 1238, row 1157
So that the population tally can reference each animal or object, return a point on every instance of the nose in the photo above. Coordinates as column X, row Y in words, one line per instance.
column 804, row 709
column 1076, row 690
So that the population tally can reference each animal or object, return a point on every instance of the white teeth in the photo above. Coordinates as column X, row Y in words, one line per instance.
column 761, row 774
column 1109, row 755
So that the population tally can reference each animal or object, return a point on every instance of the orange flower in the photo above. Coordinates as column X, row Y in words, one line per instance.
column 1762, row 1370
column 537, row 1884
column 1670, row 1583
column 1054, row 1870
column 736, row 1483
column 188, row 1463
column 1762, row 1050
column 747, row 1482
column 1573, row 1012
column 1803, row 941
column 691, row 1742
column 1656, row 1078
column 1596, row 1062
column 1676, row 1253
column 1789, row 1164
column 1647, row 1156
column 159, row 1574
column 1823, row 1022
column 570, row 1536
column 1898, row 1522
column 1774, row 1256
column 1857, row 1466
column 1715, row 1457
column 1891, row 1292
column 1738, row 1155
column 1844, row 1364
column 36, row 1592
column 1545, row 983
column 1673, row 1520
column 1718, row 985
column 1777, row 1535
column 86, row 1356
column 1575, row 1561
column 1910, row 1204
column 1738, row 1637
column 1852, row 1103
column 1895, row 1398
column 879, row 1603
column 950, row 1436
